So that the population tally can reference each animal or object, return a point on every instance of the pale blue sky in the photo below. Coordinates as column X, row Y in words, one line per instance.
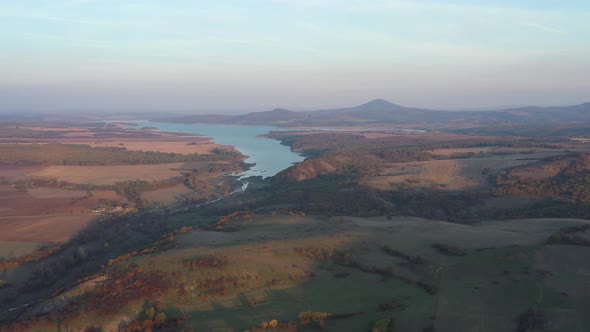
column 300, row 54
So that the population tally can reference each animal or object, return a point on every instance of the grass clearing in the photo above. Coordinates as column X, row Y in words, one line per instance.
column 13, row 249
column 167, row 196
column 259, row 276
column 455, row 174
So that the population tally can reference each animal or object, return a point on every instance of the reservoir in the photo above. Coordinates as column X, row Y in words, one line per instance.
column 269, row 155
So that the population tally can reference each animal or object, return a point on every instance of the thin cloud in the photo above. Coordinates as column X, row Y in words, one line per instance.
column 100, row 24
column 541, row 27
column 56, row 19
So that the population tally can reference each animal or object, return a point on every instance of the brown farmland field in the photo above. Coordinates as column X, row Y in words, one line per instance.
column 202, row 146
column 104, row 175
column 47, row 214
column 37, row 215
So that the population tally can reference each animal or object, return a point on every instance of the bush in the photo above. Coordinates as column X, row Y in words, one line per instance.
column 449, row 250
column 404, row 256
column 531, row 320
column 383, row 325
column 313, row 318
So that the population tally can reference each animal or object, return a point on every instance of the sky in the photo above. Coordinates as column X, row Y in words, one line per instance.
column 253, row 55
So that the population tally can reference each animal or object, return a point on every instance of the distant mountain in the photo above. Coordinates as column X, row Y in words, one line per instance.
column 378, row 110
column 197, row 118
column 381, row 111
column 276, row 116
column 377, row 105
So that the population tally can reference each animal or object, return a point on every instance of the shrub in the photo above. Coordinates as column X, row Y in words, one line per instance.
column 449, row 250
column 391, row 304
column 205, row 262
column 383, row 325
column 404, row 256
column 313, row 318
column 531, row 320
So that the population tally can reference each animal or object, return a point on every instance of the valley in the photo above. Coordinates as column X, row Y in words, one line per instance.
column 294, row 166
column 378, row 228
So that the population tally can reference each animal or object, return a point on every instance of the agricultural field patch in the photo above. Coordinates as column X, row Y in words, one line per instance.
column 106, row 175
column 41, row 192
column 41, row 215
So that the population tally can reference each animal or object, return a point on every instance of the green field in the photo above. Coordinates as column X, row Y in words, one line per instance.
column 506, row 270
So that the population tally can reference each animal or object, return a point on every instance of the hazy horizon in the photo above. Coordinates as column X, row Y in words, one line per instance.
column 256, row 55
column 232, row 111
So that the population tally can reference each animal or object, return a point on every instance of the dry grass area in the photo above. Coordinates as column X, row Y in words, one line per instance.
column 46, row 214
column 455, row 174
column 163, row 142
column 541, row 171
column 490, row 151
column 42, row 228
column 430, row 136
column 41, row 214
column 12, row 249
column 15, row 173
column 201, row 146
column 451, row 152
column 375, row 137
column 134, row 140
column 35, row 215
column 41, row 192
column 105, row 175
column 274, row 267
column 167, row 196
column 442, row 174
column 108, row 175
column 409, row 135
column 59, row 129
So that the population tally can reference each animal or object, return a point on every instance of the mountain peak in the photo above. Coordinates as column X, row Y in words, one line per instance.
column 379, row 102
column 378, row 105
column 281, row 110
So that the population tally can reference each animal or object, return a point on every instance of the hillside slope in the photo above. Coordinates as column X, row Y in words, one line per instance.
column 381, row 111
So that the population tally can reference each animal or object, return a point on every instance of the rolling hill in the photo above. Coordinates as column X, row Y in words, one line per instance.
column 381, row 111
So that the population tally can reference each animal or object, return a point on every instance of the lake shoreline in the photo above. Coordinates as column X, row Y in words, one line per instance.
column 267, row 156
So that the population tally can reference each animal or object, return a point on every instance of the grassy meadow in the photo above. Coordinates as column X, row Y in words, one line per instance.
column 267, row 267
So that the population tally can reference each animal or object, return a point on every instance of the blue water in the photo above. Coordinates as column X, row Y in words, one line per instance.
column 268, row 155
